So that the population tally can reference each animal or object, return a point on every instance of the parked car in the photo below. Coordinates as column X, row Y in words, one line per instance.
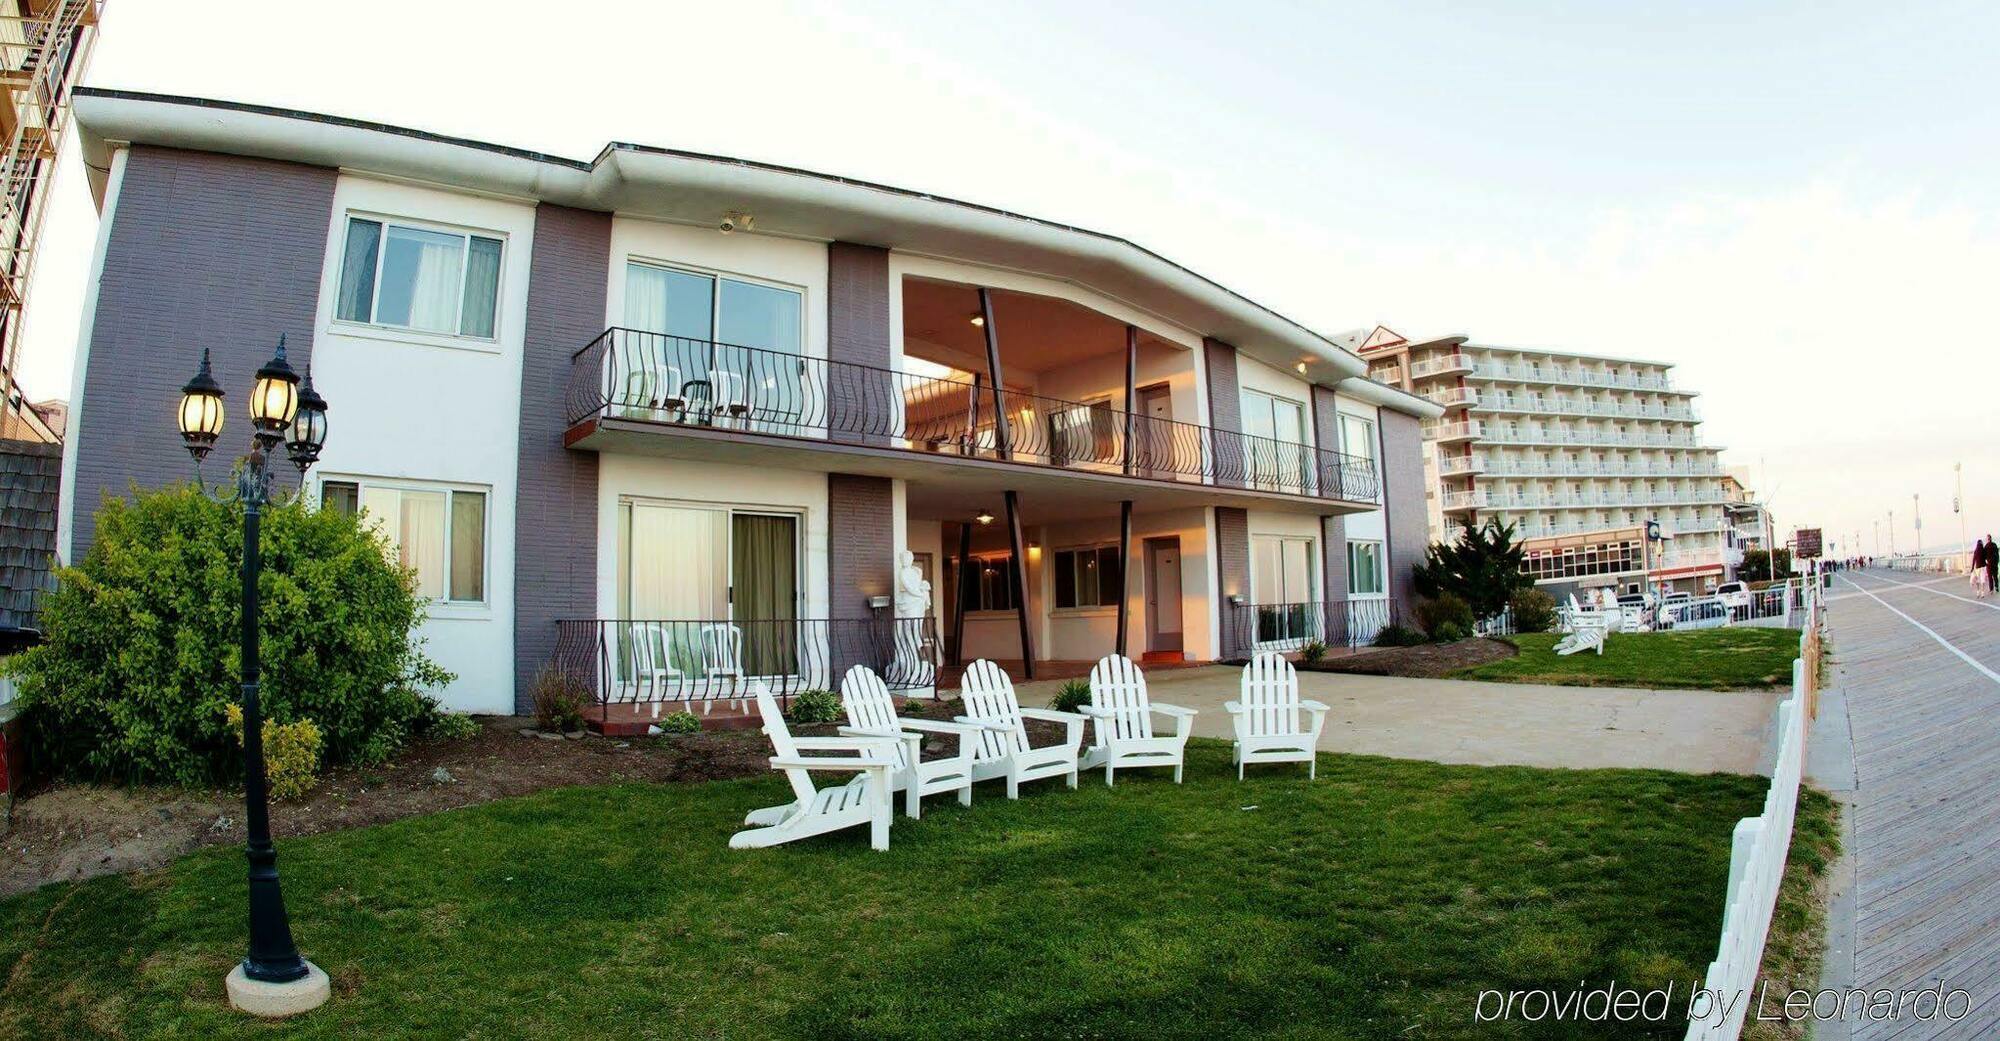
column 1736, row 597
column 1708, row 613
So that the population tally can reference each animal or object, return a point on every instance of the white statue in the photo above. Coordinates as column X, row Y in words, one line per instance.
column 913, row 592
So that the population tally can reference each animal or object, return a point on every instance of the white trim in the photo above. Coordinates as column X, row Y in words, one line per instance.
column 80, row 364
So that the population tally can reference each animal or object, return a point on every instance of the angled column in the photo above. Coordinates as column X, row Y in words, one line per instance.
column 1019, row 579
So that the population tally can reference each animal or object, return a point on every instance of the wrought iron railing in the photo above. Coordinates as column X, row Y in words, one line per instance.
column 1288, row 627
column 646, row 661
column 656, row 378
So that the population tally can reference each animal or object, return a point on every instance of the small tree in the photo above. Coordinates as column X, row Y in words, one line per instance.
column 142, row 660
column 1483, row 568
column 1756, row 566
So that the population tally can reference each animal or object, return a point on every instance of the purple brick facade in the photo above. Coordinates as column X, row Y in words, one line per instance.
column 1333, row 529
column 1403, row 507
column 857, row 333
column 555, row 527
column 1232, row 574
column 1225, row 405
column 205, row 250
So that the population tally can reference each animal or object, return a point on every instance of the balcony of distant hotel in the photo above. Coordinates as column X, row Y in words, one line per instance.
column 987, row 389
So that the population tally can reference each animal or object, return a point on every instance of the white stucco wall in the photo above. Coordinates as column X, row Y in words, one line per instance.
column 425, row 407
column 794, row 263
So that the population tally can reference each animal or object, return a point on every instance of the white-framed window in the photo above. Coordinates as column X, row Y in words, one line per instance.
column 1088, row 576
column 1357, row 436
column 709, row 307
column 1364, row 568
column 991, row 587
column 437, row 530
column 422, row 277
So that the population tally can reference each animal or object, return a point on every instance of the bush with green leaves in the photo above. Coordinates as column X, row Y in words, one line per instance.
column 1071, row 696
column 680, row 723
column 141, row 661
column 1312, row 652
column 1399, row 636
column 1444, row 612
column 1482, row 569
column 453, row 726
column 559, row 697
column 1450, row 632
column 1534, row 611
column 291, row 754
column 814, row 706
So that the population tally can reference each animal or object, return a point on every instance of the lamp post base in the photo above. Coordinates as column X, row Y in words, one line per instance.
column 278, row 1000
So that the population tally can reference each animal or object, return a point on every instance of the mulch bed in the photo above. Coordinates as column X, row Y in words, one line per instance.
column 73, row 831
column 1424, row 661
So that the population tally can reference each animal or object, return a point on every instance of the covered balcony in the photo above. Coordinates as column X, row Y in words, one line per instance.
column 1073, row 393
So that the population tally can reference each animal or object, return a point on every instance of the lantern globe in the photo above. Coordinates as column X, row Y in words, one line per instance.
column 308, row 430
column 201, row 411
column 275, row 398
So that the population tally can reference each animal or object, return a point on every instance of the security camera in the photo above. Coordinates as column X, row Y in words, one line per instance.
column 732, row 221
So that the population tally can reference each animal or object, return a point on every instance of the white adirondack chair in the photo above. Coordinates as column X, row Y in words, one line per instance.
column 1268, row 729
column 1122, row 722
column 816, row 811
column 1587, row 633
column 871, row 712
column 1004, row 750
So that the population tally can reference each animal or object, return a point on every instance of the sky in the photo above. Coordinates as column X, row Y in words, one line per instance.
column 1793, row 203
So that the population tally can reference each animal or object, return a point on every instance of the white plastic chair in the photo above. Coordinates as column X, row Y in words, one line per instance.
column 728, row 393
column 1004, row 751
column 650, row 387
column 652, row 661
column 1122, row 722
column 1267, row 718
column 871, row 712
column 816, row 811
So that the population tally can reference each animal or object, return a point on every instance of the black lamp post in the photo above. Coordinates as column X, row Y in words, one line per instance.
column 280, row 410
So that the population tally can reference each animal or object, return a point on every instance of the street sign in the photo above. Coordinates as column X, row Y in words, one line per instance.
column 1808, row 544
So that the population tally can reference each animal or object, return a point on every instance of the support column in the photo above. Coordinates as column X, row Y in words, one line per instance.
column 1003, row 438
column 1131, row 409
column 1124, row 565
column 964, row 574
column 1020, row 574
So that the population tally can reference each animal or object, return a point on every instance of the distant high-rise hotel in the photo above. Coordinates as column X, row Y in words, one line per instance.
column 1577, row 451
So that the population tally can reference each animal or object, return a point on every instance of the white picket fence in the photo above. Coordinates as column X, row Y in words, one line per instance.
column 1757, row 856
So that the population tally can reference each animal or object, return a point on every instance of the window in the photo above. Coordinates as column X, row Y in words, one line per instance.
column 438, row 532
column 1088, row 577
column 1364, row 568
column 992, row 586
column 423, row 279
column 1277, row 429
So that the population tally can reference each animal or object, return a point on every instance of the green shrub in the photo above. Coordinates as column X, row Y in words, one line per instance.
column 1450, row 632
column 291, row 753
column 1444, row 609
column 1534, row 611
column 1071, row 696
column 1312, row 652
column 814, row 706
column 452, row 726
column 559, row 698
column 680, row 723
column 142, row 655
column 912, row 707
column 1398, row 636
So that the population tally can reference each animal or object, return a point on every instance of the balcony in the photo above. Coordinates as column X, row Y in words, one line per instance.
column 1569, row 376
column 1504, row 466
column 1583, row 407
column 1587, row 500
column 1606, row 439
column 1454, row 397
column 1389, row 375
column 631, row 380
column 1440, row 365
column 1447, row 433
column 1462, row 466
column 1472, row 500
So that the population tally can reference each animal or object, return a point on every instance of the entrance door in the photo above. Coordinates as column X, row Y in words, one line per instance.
column 1155, row 450
column 1163, row 594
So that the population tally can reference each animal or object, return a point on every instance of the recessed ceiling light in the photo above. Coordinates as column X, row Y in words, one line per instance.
column 978, row 319
column 983, row 517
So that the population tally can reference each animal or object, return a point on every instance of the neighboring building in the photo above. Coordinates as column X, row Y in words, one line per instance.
column 54, row 413
column 1577, row 451
column 44, row 48
column 30, row 479
column 662, row 413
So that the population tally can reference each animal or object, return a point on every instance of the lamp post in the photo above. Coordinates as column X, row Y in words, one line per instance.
column 272, row 980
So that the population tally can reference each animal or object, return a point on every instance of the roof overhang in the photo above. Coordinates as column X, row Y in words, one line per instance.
column 700, row 189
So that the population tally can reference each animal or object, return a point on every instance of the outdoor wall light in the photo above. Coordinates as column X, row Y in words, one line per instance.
column 275, row 398
column 201, row 411
column 983, row 517
column 977, row 319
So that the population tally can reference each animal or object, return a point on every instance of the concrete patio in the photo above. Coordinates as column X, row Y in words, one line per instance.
column 1494, row 724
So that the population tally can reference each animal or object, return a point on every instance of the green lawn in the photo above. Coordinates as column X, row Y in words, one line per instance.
column 1708, row 659
column 1372, row 904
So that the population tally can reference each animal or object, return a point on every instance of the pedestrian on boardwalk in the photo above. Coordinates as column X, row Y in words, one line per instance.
column 1979, row 569
column 1992, row 565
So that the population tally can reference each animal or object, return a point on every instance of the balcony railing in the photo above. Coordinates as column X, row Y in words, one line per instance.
column 1288, row 627
column 1502, row 500
column 1389, row 374
column 1453, row 431
column 1453, row 397
column 1463, row 464
column 1570, row 376
column 672, row 380
column 648, row 661
column 1609, row 439
column 1504, row 466
column 1472, row 500
column 1434, row 366
column 1584, row 407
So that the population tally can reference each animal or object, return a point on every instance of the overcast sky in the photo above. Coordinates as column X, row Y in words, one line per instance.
column 1793, row 203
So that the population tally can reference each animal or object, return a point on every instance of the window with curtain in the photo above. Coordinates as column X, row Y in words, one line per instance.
column 724, row 334
column 1088, row 577
column 438, row 532
column 424, row 279
column 1364, row 568
column 1281, row 585
column 991, row 586
column 1277, row 427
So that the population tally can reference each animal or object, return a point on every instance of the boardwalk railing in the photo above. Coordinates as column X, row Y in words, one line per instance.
column 629, row 374
column 1757, row 856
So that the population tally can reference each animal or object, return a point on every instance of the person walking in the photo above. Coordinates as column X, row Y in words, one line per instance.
column 1992, row 565
column 1979, row 569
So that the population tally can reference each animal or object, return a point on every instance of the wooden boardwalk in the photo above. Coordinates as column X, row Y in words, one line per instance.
column 1924, row 824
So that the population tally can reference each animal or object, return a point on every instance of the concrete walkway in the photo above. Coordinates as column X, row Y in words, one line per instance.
column 1908, row 739
column 1493, row 724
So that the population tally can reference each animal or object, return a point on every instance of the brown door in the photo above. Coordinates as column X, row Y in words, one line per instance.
column 1163, row 594
column 1156, row 430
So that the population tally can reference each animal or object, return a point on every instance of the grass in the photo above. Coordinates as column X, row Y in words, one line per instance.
column 1736, row 658
column 1375, row 903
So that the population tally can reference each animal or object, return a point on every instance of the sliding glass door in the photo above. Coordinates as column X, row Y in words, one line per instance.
column 1281, row 586
column 1279, row 458
column 728, row 348
column 707, row 592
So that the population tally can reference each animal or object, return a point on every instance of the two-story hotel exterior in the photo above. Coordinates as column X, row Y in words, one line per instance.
column 676, row 417
column 1576, row 451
